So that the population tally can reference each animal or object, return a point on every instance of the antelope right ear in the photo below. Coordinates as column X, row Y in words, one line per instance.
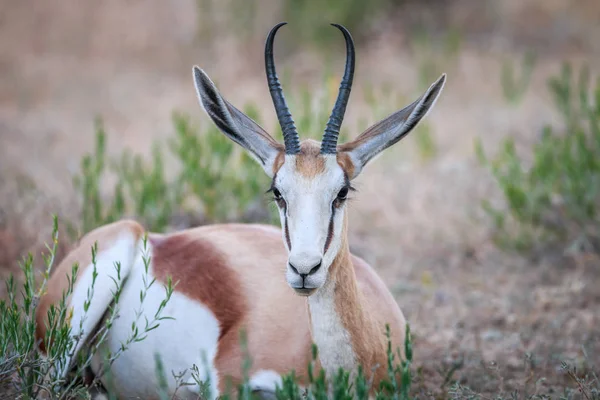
column 390, row 130
column 236, row 125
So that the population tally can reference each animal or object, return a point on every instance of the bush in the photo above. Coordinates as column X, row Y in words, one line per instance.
column 555, row 199
column 217, row 178
column 216, row 172
column 24, row 371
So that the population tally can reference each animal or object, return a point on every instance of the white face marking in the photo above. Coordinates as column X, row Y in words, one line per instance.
column 308, row 212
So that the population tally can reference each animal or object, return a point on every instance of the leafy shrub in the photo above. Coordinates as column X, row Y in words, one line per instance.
column 216, row 171
column 555, row 199
column 216, row 176
column 24, row 371
column 96, row 210
column 146, row 188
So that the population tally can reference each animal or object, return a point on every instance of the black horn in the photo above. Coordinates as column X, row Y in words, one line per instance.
column 332, row 130
column 290, row 134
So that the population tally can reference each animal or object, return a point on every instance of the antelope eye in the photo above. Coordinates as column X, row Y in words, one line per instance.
column 342, row 194
column 276, row 194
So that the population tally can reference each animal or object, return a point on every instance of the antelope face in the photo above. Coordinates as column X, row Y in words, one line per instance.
column 310, row 181
column 310, row 190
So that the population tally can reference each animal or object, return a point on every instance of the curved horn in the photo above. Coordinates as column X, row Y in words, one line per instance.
column 332, row 130
column 290, row 134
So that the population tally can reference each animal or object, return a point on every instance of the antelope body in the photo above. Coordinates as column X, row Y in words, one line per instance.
column 233, row 276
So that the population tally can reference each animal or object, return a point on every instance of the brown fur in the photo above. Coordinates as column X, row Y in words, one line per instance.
column 345, row 162
column 309, row 161
column 199, row 270
column 279, row 160
column 365, row 306
column 81, row 255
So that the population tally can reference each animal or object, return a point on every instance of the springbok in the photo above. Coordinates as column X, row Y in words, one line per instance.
column 230, row 276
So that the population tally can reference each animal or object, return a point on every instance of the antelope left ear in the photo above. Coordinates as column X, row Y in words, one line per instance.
column 390, row 130
column 236, row 125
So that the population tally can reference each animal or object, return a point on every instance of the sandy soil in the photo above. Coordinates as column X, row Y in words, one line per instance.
column 501, row 320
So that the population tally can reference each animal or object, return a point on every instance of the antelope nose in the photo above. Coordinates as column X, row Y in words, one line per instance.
column 305, row 268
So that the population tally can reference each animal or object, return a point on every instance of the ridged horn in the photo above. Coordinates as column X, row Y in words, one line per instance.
column 290, row 134
column 332, row 130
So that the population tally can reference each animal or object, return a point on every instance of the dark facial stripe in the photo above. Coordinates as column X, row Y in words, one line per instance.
column 285, row 227
column 329, row 229
column 285, row 221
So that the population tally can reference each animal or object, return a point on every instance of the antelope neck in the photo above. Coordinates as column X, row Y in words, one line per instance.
column 339, row 321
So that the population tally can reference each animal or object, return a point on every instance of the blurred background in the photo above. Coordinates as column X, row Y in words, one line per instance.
column 483, row 221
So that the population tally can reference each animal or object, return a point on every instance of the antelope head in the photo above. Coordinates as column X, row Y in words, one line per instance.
column 310, row 180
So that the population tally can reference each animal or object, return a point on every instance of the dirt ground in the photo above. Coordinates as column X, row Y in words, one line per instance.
column 491, row 320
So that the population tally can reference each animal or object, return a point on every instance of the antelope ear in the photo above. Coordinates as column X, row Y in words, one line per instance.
column 390, row 130
column 236, row 125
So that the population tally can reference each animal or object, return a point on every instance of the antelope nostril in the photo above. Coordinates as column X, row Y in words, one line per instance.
column 315, row 268
column 294, row 269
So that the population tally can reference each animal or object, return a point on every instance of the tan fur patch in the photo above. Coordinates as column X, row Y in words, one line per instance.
column 344, row 161
column 279, row 160
column 309, row 161
column 82, row 255
column 200, row 271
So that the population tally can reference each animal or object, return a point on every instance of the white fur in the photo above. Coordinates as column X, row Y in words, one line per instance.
column 329, row 334
column 265, row 380
column 180, row 342
column 83, row 324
